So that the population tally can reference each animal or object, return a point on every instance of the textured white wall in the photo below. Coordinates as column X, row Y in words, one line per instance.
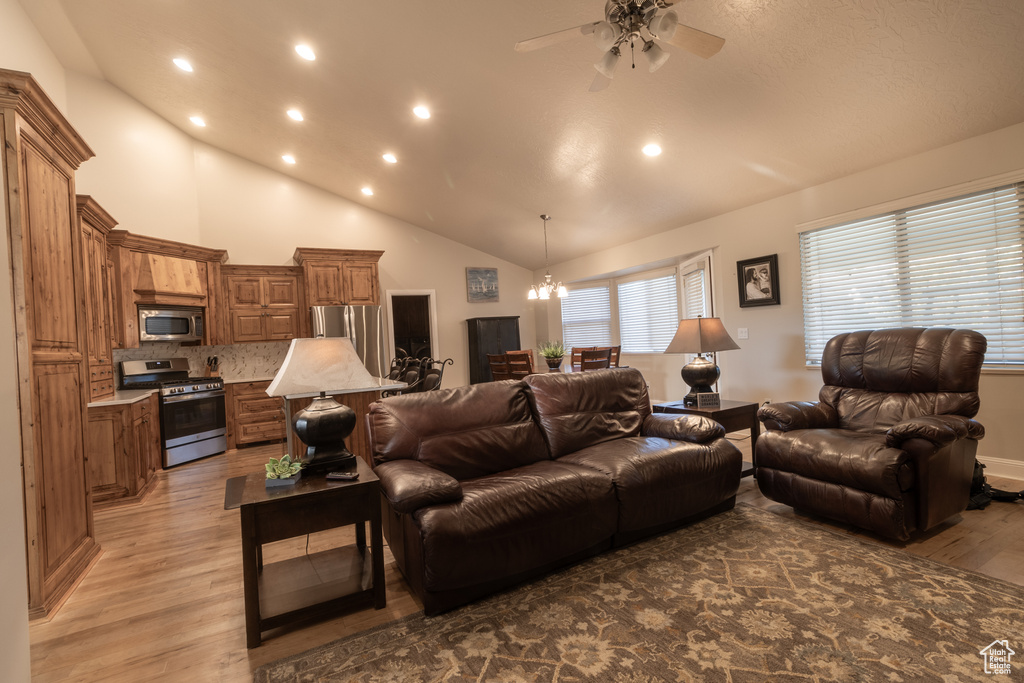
column 770, row 365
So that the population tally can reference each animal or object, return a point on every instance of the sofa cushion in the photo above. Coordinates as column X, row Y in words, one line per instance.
column 582, row 409
column 514, row 521
column 466, row 432
column 659, row 481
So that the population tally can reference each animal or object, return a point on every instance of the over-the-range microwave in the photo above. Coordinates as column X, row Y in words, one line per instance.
column 170, row 324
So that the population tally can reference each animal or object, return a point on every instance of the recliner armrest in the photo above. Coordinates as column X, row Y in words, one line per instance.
column 937, row 429
column 786, row 417
column 692, row 428
column 410, row 485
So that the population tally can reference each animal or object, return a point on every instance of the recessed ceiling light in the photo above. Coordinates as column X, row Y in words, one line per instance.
column 421, row 112
column 652, row 150
column 295, row 114
column 288, row 158
column 390, row 158
column 183, row 64
column 306, row 52
column 198, row 120
column 368, row 191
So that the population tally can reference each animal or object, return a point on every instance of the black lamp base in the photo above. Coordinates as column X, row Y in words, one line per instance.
column 323, row 426
column 699, row 374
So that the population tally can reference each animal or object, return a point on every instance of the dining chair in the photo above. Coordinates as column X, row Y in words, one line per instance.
column 520, row 363
column 499, row 366
column 576, row 351
column 596, row 359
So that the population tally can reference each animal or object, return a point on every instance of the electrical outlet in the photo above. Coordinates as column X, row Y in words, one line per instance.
column 741, row 333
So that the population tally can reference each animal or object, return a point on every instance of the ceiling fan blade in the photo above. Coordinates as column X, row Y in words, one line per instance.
column 556, row 37
column 600, row 83
column 699, row 43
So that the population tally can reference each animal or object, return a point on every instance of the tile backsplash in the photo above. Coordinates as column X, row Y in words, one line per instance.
column 238, row 362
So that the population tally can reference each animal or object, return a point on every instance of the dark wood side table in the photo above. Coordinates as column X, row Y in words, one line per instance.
column 733, row 415
column 316, row 585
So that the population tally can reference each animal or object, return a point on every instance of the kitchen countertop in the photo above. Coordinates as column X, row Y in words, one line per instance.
column 122, row 396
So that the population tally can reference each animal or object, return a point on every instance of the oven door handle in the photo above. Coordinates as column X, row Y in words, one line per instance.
column 193, row 397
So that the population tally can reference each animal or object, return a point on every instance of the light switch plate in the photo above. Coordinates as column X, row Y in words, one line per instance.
column 741, row 333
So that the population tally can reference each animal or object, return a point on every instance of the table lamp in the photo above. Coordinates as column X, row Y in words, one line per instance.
column 700, row 336
column 324, row 364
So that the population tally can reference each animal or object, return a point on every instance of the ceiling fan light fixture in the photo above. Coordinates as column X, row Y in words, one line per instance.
column 606, row 35
column 656, row 57
column 606, row 67
column 664, row 26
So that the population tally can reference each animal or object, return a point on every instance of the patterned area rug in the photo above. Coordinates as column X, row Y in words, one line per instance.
column 744, row 596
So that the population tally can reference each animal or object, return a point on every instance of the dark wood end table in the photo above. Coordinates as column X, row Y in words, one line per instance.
column 313, row 585
column 733, row 415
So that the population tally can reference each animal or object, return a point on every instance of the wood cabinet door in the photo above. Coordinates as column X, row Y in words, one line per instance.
column 247, row 325
column 244, row 291
column 107, row 447
column 361, row 284
column 281, row 292
column 256, row 417
column 324, row 284
column 281, row 325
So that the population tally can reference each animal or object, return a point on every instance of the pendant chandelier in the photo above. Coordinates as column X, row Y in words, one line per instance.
column 544, row 289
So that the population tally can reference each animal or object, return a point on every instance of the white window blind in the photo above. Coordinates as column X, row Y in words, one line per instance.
column 648, row 313
column 587, row 317
column 953, row 263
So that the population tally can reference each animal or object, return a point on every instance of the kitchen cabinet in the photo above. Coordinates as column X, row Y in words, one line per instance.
column 340, row 276
column 253, row 416
column 150, row 271
column 41, row 152
column 496, row 334
column 263, row 302
column 124, row 451
column 95, row 224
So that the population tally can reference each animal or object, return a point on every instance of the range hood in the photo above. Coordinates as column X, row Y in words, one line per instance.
column 168, row 281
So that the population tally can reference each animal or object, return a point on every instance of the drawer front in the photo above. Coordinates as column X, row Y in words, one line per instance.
column 246, row 388
column 260, row 431
column 248, row 406
column 141, row 409
column 102, row 388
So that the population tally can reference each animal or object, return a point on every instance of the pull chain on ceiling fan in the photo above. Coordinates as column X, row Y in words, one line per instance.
column 637, row 22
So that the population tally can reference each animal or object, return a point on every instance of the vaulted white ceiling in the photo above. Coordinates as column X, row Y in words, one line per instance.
column 804, row 91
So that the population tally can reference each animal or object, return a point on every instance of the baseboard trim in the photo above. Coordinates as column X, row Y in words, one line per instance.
column 1001, row 467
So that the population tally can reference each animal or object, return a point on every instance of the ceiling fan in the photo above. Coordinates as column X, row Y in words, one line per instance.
column 632, row 21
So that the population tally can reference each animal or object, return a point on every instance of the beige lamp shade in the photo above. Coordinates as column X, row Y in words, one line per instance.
column 701, row 335
column 325, row 364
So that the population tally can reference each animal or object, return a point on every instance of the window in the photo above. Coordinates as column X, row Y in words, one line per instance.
column 640, row 311
column 587, row 316
column 648, row 313
column 952, row 263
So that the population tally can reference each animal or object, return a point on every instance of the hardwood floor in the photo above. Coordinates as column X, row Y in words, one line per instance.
column 164, row 602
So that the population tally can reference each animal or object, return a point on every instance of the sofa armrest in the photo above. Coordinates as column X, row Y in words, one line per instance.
column 410, row 485
column 936, row 429
column 786, row 417
column 692, row 428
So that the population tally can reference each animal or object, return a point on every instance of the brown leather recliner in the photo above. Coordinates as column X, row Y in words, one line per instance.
column 890, row 445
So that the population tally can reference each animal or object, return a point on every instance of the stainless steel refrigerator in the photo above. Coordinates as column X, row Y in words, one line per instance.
column 364, row 325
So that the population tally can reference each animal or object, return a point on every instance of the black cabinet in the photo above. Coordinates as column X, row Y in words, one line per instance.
column 497, row 334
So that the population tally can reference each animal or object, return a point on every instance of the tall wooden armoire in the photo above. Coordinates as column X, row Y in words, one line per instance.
column 41, row 152
column 496, row 334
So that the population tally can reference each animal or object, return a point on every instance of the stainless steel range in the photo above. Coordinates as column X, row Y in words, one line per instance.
column 192, row 412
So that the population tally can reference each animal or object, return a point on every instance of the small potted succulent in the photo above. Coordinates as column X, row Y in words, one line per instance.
column 283, row 472
column 552, row 351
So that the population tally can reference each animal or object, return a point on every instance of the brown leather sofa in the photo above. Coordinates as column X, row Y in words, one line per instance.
column 890, row 445
column 488, row 485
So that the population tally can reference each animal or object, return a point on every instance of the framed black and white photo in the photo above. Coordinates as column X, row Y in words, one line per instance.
column 759, row 281
column 481, row 285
